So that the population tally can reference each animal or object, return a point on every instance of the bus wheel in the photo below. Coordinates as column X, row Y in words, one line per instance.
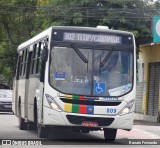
column 109, row 134
column 22, row 123
column 32, row 126
column 42, row 131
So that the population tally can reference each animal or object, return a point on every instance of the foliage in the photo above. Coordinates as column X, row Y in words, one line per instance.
column 22, row 19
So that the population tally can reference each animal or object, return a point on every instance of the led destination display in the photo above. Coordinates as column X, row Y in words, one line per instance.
column 74, row 36
column 111, row 39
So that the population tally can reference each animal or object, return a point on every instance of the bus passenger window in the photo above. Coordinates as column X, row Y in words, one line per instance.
column 25, row 61
column 41, row 46
column 37, row 57
column 18, row 67
column 21, row 69
column 34, row 60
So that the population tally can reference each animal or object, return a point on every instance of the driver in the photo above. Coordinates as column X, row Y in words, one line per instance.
column 111, row 64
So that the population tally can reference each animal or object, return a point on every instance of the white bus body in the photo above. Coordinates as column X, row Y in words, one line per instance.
column 60, row 81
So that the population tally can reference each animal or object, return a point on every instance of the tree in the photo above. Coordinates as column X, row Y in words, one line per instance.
column 134, row 16
column 15, row 29
column 22, row 19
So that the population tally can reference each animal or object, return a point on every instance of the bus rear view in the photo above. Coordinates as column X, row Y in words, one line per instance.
column 89, row 81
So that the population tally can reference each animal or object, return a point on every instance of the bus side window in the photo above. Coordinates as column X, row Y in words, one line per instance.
column 42, row 45
column 21, row 61
column 28, row 64
column 18, row 67
column 33, row 60
column 38, row 57
column 25, row 61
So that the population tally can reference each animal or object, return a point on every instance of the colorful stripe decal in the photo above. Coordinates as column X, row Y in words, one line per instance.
column 75, row 108
column 68, row 96
column 79, row 97
column 82, row 109
column 67, row 107
column 76, row 97
column 82, row 98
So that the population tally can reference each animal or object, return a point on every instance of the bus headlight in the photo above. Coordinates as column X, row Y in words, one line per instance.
column 127, row 108
column 52, row 103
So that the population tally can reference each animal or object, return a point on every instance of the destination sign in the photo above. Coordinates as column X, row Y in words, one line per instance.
column 95, row 38
column 115, row 38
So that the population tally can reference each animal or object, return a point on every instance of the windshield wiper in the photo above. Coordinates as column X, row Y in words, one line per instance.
column 80, row 54
column 106, row 57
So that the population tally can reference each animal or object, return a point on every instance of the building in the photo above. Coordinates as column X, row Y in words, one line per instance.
column 148, row 67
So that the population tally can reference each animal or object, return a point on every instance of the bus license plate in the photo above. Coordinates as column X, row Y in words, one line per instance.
column 89, row 124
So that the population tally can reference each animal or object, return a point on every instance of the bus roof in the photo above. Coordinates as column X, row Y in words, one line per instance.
column 92, row 29
column 35, row 38
column 47, row 32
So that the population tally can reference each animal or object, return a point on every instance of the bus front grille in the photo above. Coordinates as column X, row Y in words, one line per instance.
column 86, row 102
column 79, row 119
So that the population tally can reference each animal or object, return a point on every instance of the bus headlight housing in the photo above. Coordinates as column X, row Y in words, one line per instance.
column 127, row 108
column 52, row 103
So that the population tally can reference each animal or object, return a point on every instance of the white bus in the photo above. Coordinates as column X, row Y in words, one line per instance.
column 77, row 77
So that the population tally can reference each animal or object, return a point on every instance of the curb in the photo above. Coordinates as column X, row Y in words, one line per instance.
column 143, row 122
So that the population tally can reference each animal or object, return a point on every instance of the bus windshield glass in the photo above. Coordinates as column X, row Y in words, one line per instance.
column 87, row 71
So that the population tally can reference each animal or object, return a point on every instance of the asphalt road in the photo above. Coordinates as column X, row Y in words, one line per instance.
column 65, row 138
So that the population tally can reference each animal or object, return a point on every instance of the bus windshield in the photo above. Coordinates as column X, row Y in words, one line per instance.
column 91, row 71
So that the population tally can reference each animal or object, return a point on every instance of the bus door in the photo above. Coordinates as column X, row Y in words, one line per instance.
column 21, row 86
column 27, row 65
column 34, row 81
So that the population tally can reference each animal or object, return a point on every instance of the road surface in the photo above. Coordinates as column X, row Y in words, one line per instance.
column 9, row 130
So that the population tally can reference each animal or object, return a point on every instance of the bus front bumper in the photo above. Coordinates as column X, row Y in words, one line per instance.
column 55, row 118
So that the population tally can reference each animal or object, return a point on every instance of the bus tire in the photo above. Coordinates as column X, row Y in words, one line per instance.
column 22, row 123
column 32, row 126
column 42, row 131
column 109, row 134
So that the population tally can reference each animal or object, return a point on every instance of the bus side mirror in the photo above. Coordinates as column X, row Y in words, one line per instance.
column 44, row 58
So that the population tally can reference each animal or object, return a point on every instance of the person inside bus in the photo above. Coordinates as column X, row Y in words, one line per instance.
column 112, row 72
column 110, row 66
